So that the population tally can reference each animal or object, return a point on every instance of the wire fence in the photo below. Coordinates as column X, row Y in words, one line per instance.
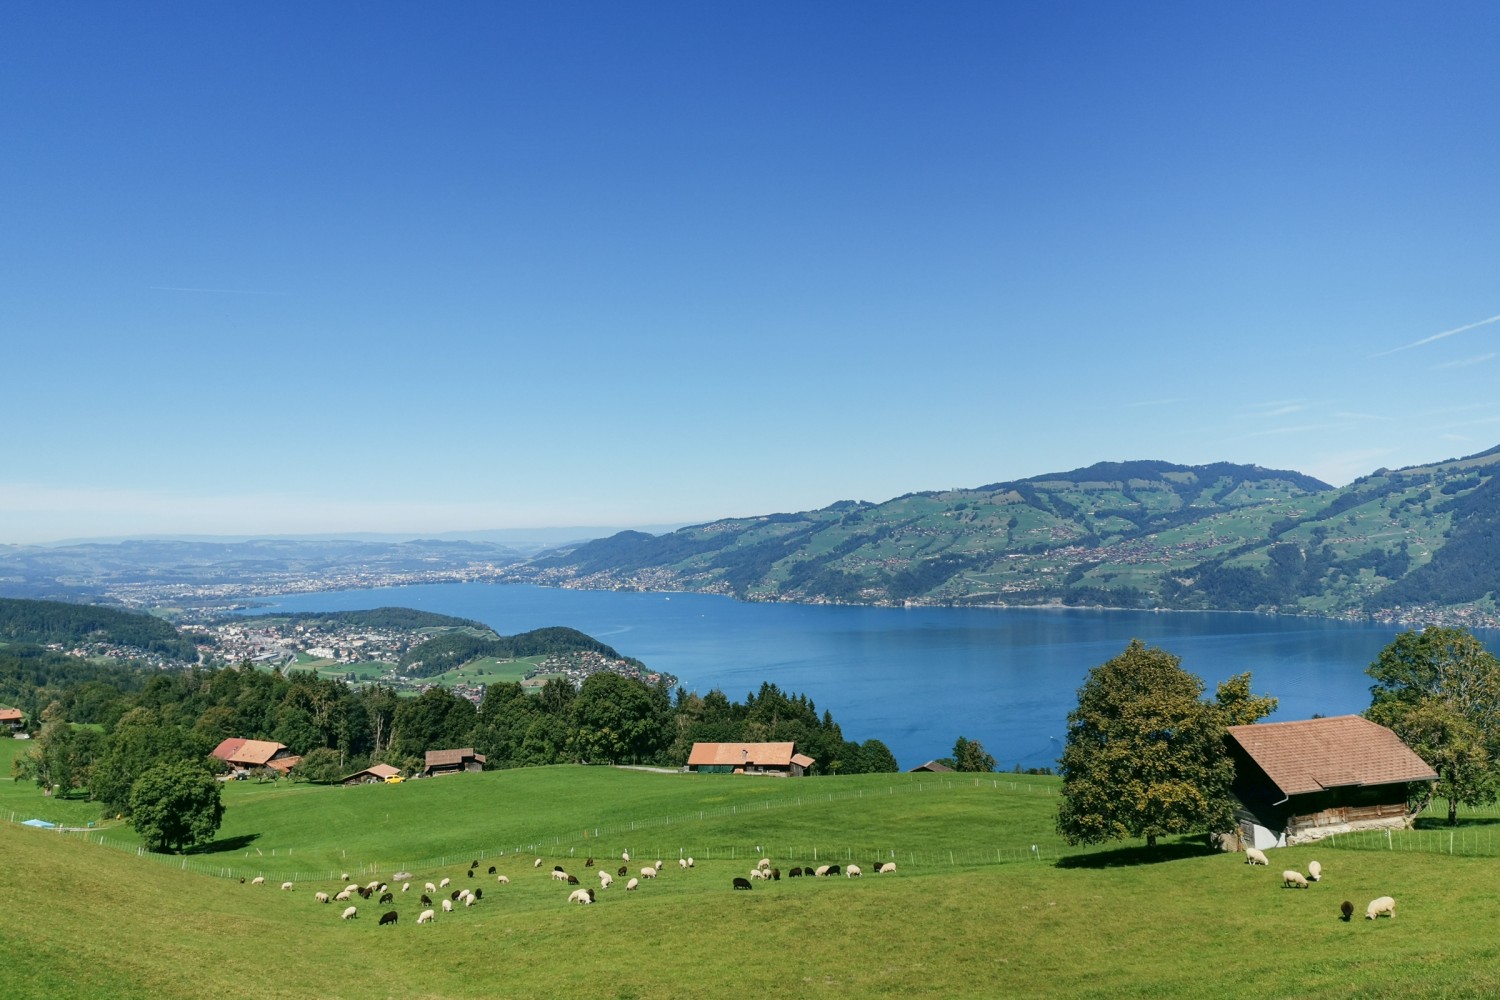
column 646, row 841
column 1473, row 842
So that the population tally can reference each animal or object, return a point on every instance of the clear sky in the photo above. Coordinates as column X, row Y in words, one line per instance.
column 287, row 267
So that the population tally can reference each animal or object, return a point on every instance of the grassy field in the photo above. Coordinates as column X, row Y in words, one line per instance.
column 489, row 670
column 86, row 920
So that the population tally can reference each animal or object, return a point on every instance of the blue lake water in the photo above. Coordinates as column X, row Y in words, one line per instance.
column 918, row 678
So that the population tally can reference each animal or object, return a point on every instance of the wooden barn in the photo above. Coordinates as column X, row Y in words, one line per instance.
column 932, row 767
column 1297, row 782
column 244, row 755
column 373, row 775
column 749, row 758
column 452, row 762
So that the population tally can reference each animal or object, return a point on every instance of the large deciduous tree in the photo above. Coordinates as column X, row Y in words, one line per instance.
column 175, row 805
column 969, row 755
column 1145, row 753
column 1439, row 690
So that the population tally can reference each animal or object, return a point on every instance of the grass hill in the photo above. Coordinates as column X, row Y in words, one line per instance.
column 87, row 920
column 43, row 622
column 1122, row 534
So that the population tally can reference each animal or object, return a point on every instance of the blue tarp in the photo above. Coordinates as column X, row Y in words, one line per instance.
column 39, row 823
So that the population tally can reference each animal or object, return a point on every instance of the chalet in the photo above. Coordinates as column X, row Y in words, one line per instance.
column 1297, row 782
column 373, row 775
column 933, row 767
column 11, row 719
column 452, row 762
column 748, row 758
column 245, row 755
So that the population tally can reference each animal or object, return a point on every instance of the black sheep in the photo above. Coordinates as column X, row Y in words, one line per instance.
column 833, row 869
column 425, row 900
column 471, row 873
column 454, row 895
column 388, row 918
column 558, row 868
column 589, row 863
column 1347, row 909
column 775, row 874
column 572, row 879
column 492, row 869
column 387, row 897
column 624, row 871
column 478, row 893
column 794, row 873
column 473, row 864
column 741, row 883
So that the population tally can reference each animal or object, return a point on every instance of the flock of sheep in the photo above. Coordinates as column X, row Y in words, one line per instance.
column 1383, row 906
column 383, row 892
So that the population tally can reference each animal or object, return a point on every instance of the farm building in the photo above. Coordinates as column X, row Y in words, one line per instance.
column 372, row 775
column 452, row 762
column 748, row 758
column 247, row 754
column 932, row 767
column 1297, row 782
column 11, row 719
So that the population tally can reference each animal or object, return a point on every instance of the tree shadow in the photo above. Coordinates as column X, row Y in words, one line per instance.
column 1127, row 857
column 1464, row 822
column 225, row 846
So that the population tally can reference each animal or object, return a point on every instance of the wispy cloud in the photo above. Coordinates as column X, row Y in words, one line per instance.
column 1278, row 408
column 1353, row 415
column 1437, row 336
column 1478, row 359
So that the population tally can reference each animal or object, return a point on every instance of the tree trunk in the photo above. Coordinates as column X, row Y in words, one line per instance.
column 1150, row 840
column 1452, row 811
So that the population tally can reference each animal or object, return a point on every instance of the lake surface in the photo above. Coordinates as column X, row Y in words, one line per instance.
column 918, row 678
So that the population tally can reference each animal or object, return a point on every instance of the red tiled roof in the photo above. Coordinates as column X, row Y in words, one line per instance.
column 10, row 715
column 802, row 760
column 740, row 754
column 1347, row 750
column 247, row 753
column 447, row 758
column 283, row 764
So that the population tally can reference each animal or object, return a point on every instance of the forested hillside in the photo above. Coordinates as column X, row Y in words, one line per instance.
column 447, row 652
column 46, row 622
column 1122, row 534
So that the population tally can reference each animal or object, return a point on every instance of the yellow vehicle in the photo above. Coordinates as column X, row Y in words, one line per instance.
column 394, row 779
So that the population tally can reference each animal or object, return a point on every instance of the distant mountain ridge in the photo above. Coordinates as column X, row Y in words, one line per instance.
column 1142, row 534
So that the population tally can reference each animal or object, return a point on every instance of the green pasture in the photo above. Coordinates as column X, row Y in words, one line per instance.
column 92, row 921
column 489, row 670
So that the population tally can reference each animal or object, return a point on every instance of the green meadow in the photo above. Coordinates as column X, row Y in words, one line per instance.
column 972, row 910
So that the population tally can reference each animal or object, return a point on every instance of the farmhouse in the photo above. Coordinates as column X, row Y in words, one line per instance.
column 1297, row 782
column 246, row 754
column 748, row 758
column 11, row 719
column 452, row 761
column 373, row 775
column 931, row 767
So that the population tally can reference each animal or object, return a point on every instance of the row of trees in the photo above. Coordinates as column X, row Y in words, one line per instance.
column 1145, row 753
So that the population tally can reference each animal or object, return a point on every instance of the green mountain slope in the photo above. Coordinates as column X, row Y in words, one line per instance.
column 1123, row 534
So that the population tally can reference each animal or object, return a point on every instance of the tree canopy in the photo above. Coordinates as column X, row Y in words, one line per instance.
column 175, row 805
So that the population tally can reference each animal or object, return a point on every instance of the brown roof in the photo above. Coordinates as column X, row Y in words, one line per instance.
column 10, row 715
column 1347, row 750
column 283, row 764
column 802, row 760
column 933, row 766
column 441, row 758
column 740, row 754
column 381, row 771
column 247, row 753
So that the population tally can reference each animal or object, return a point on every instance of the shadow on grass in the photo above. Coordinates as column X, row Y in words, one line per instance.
column 1126, row 857
column 1464, row 822
column 226, row 845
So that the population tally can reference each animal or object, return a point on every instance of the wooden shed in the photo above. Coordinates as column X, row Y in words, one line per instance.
column 932, row 767
column 373, row 775
column 452, row 762
column 749, row 758
column 1297, row 782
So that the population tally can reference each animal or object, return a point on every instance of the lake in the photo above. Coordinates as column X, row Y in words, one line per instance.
column 918, row 678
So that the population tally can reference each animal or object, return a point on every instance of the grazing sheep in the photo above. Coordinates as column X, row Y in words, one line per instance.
column 389, row 917
column 478, row 893
column 1294, row 880
column 321, row 897
column 470, row 900
column 659, row 865
column 572, row 879
column 492, row 869
column 287, row 887
column 344, row 877
column 425, row 917
column 625, row 856
column 444, row 883
column 447, row 906
column 580, row 896
column 473, row 865
column 886, row 868
column 258, row 880
column 387, row 897
column 648, row 872
column 1347, row 909
column 1383, row 905
column 630, row 886
column 1314, row 871
column 426, row 899
column 470, row 873
column 430, row 887
column 383, row 887
column 455, row 894
column 502, row 880
column 343, row 897
column 742, row 883
column 351, row 887
column 557, row 868
column 763, row 863
column 605, row 879
column 405, row 886
column 821, row 871
column 833, row 869
column 756, row 873
column 462, row 894
column 242, row 880
column 537, row 863
column 559, row 876
column 350, row 913
column 690, row 862
column 589, row 863
column 1254, row 856
column 775, row 874
column 363, row 892
column 682, row 863
column 794, row 873
column 852, row 871
column 623, row 871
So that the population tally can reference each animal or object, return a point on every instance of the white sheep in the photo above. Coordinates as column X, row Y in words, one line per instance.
column 502, row 880
column 560, row 876
column 1314, row 871
column 469, row 900
column 605, row 880
column 286, row 887
column 447, row 906
column 343, row 897
column 444, row 883
column 682, row 863
column 372, row 886
column 630, row 886
column 822, row 870
column 759, row 873
column 763, row 863
column 405, row 886
column 648, row 872
column 886, row 868
column 1253, row 856
column 321, row 897
column 852, row 871
column 425, row 917
column 258, row 880
column 1384, row 905
column 580, row 896
column 464, row 894
column 537, row 863
column 659, row 864
column 344, row 877
column 1293, row 880
column 625, row 856
column 350, row 913
column 690, row 862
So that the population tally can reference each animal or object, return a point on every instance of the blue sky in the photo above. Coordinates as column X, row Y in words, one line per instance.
column 395, row 267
